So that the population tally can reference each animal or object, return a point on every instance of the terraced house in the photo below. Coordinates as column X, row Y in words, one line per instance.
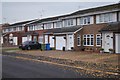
column 88, row 29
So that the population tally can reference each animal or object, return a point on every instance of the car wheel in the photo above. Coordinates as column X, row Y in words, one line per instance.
column 29, row 48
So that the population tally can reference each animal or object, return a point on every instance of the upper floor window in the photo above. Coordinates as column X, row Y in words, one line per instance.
column 20, row 28
column 14, row 28
column 86, row 20
column 48, row 26
column 58, row 24
column 39, row 27
column 107, row 17
column 69, row 22
column 31, row 27
column 5, row 30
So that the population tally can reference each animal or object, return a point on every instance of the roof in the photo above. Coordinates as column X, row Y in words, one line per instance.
column 101, row 8
column 114, row 26
column 50, row 19
column 21, row 23
column 63, row 30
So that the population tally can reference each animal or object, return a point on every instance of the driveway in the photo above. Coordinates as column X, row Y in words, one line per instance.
column 106, row 58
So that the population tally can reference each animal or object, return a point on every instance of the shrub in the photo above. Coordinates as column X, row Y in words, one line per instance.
column 101, row 49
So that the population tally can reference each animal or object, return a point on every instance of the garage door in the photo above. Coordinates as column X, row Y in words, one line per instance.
column 60, row 42
column 51, row 41
column 117, row 42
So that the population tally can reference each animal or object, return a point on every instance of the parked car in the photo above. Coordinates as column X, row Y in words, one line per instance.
column 28, row 45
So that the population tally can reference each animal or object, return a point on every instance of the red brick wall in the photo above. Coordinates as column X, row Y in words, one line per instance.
column 88, row 29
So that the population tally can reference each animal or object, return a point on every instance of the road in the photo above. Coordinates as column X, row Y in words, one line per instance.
column 19, row 68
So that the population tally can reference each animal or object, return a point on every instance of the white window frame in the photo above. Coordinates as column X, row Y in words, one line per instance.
column 68, row 22
column 105, row 18
column 78, row 41
column 90, row 37
column 48, row 26
column 39, row 27
column 88, row 20
column 58, row 24
column 97, row 40
column 31, row 28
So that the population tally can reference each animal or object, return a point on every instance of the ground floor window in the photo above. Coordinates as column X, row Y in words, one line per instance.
column 78, row 40
column 88, row 40
column 98, row 39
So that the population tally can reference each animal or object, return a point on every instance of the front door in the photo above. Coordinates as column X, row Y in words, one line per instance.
column 108, row 42
column 70, row 41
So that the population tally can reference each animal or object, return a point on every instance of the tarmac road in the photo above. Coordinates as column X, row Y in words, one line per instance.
column 18, row 68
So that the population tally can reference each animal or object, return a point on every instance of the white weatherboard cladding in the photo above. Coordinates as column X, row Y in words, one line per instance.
column 46, row 39
column 117, row 43
column 60, row 42
column 15, row 39
column 70, row 41
column 51, row 41
column 107, row 41
column 24, row 39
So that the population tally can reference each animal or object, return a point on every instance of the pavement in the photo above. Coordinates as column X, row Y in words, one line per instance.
column 106, row 64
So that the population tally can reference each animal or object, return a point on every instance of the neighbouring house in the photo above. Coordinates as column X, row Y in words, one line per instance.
column 13, row 34
column 80, row 30
column 62, row 37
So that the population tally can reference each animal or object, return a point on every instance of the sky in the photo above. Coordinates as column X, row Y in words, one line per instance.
column 13, row 11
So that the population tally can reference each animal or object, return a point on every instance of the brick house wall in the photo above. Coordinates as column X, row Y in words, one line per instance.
column 88, row 29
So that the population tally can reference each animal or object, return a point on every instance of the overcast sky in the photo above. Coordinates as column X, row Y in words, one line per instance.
column 20, row 11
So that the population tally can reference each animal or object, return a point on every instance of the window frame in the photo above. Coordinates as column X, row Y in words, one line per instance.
column 68, row 22
column 97, row 40
column 105, row 18
column 90, row 38
column 85, row 20
column 78, row 41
